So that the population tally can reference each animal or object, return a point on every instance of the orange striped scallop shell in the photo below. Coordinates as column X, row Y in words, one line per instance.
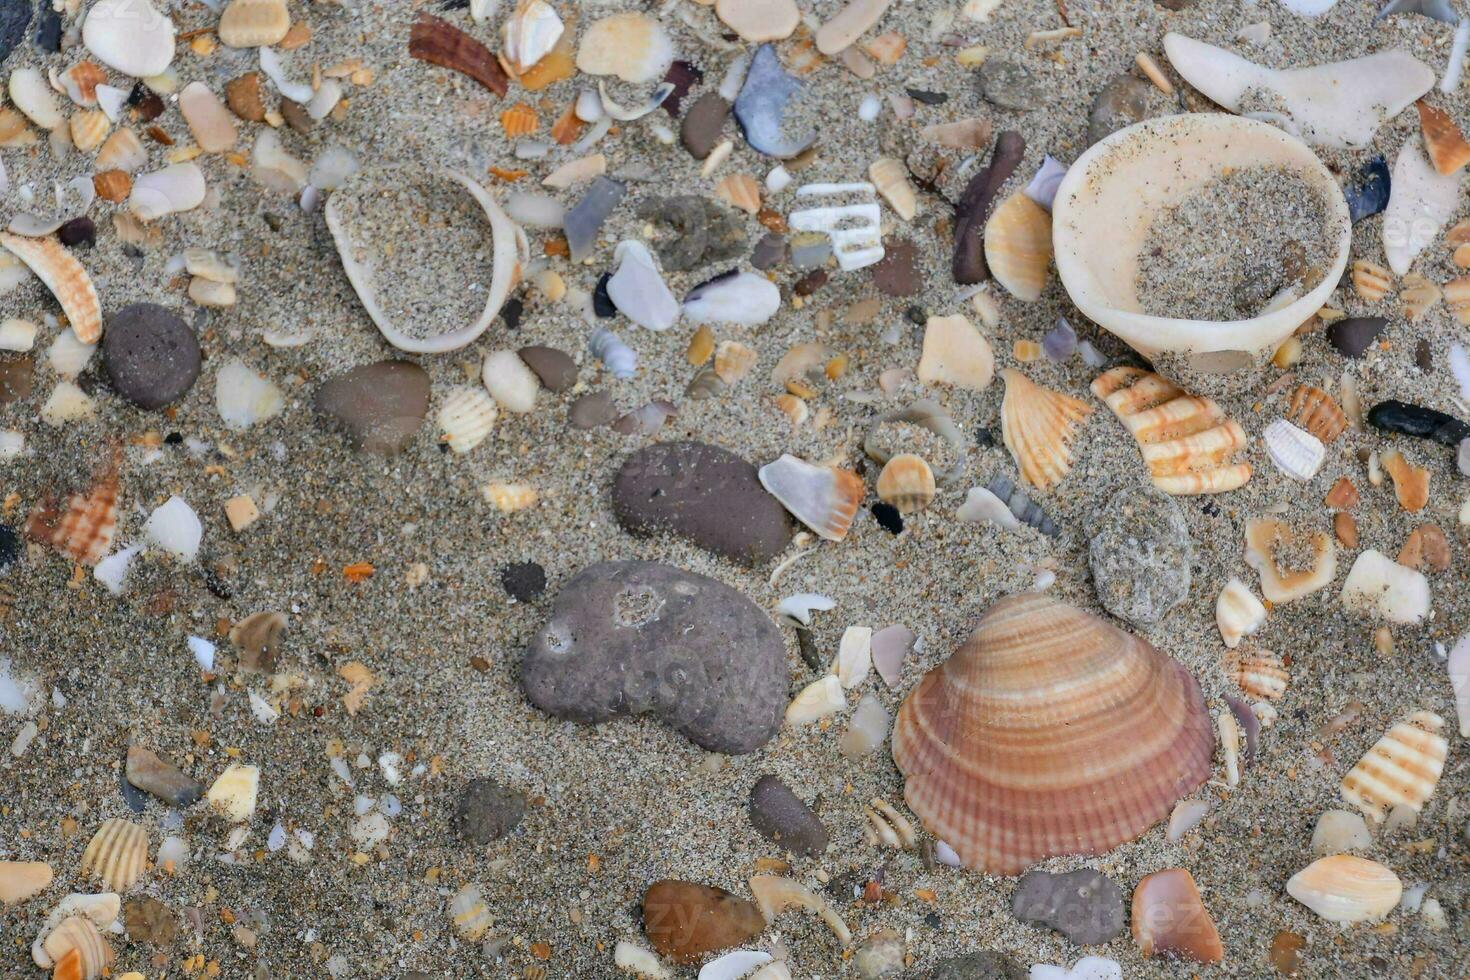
column 519, row 120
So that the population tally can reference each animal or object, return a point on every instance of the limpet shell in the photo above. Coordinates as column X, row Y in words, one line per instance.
column 1259, row 674
column 824, row 498
column 1267, row 541
column 907, row 483
column 118, row 854
column 68, row 281
column 1018, row 246
column 254, row 23
column 1038, row 426
column 467, row 418
column 1343, row 888
column 1401, row 769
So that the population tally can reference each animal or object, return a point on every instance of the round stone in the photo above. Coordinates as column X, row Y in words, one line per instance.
column 1086, row 906
column 523, row 580
column 780, row 816
column 487, row 811
column 151, row 356
column 1140, row 555
column 684, row 920
column 380, row 406
column 149, row 921
column 555, row 368
column 1122, row 102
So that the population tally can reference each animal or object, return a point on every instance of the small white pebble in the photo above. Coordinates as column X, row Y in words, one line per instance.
column 869, row 108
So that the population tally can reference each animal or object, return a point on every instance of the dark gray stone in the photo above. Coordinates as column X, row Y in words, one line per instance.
column 1010, row 85
column 1085, row 905
column 780, row 816
column 1122, row 102
column 524, row 580
column 1140, row 555
column 704, row 493
column 487, row 811
column 700, row 130
column 693, row 231
column 151, row 355
column 555, row 368
column 635, row 637
column 592, row 410
column 15, row 17
column 1356, row 334
column 977, row 966
column 379, row 406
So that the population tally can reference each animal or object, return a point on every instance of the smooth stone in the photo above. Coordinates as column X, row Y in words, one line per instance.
column 1140, row 556
column 1356, row 334
column 1122, row 102
column 523, row 580
column 693, row 231
column 880, row 955
column 150, row 354
column 968, row 263
column 15, row 17
column 17, row 376
column 759, row 20
column 684, row 920
column 700, row 130
column 635, row 637
column 149, row 921
column 379, row 406
column 1010, row 85
column 487, row 811
column 769, row 252
column 704, row 493
column 780, row 816
column 1418, row 421
column 897, row 273
column 555, row 368
column 1084, row 905
column 592, row 411
column 760, row 108
column 152, row 773
column 977, row 966
column 1367, row 191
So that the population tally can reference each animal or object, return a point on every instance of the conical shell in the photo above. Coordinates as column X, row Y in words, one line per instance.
column 254, row 23
column 1170, row 919
column 1049, row 732
column 1292, row 563
column 1259, row 674
column 118, row 854
column 83, row 529
column 1371, row 282
column 1018, row 246
column 77, row 949
column 1343, row 888
column 55, row 266
column 467, row 418
column 1443, row 140
column 1401, row 769
column 1186, row 441
column 907, row 483
column 824, row 498
column 1038, row 426
column 1314, row 410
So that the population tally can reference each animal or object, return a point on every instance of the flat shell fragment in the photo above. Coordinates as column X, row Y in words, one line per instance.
column 632, row 46
column 1238, row 613
column 955, row 353
column 1379, row 586
column 207, row 117
column 824, row 498
column 1170, row 919
column 1401, row 769
column 760, row 108
column 233, row 794
column 1296, row 452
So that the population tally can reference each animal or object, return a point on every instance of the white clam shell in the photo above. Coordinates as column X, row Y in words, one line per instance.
column 1295, row 451
column 1238, row 613
column 174, row 527
column 1343, row 888
column 1380, row 586
column 177, row 187
column 744, row 298
column 510, row 381
column 33, row 96
column 245, row 397
column 130, row 36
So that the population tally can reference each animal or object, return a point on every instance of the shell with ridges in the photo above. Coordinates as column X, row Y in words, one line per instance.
column 519, row 120
column 1259, row 674
column 122, row 151
column 254, row 23
column 1418, row 296
column 824, row 498
column 1401, row 769
column 741, row 191
column 1371, row 282
column 84, row 527
column 907, row 483
column 1295, row 451
column 89, row 129
column 1343, row 888
column 1038, row 426
column 1018, row 246
column 1186, row 441
column 733, row 361
column 76, row 948
column 1238, row 613
column 986, row 770
column 118, row 854
column 467, row 418
column 1315, row 411
column 55, row 266
column 1267, row 540
column 891, row 178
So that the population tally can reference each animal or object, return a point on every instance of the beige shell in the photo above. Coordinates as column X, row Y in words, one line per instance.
column 84, row 527
column 1018, row 246
column 1238, row 613
column 88, row 129
column 78, row 949
column 1292, row 563
column 887, row 827
column 467, row 418
column 511, row 497
column 891, row 178
column 1314, row 410
column 824, row 498
column 1457, row 295
column 1038, row 426
column 1371, row 282
column 122, row 151
column 956, row 354
column 1186, row 441
column 20, row 880
column 1418, row 296
column 254, row 23
column 794, row 408
column 468, row 912
column 1049, row 732
column 55, row 266
column 1343, row 888
column 907, row 483
column 118, row 854
column 1259, row 673
column 741, row 191
column 1401, row 769
column 1170, row 919
column 733, row 361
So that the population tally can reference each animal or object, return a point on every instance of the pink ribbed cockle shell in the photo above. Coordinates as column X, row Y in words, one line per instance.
column 1049, row 732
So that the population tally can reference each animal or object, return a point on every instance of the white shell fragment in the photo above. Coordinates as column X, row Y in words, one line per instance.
column 68, row 356
column 855, row 228
column 1238, row 613
column 1309, row 8
column 854, row 656
column 17, row 334
column 67, row 403
column 1401, row 769
column 734, row 965
column 510, row 381
column 244, row 396
column 112, row 571
column 1338, row 105
column 742, row 298
column 270, row 63
column 174, row 527
column 130, row 36
column 823, row 498
column 1421, row 201
column 820, row 698
column 467, row 418
column 1087, row 968
column 530, row 33
column 637, row 289
column 177, row 187
column 1295, row 451
column 983, row 507
column 798, row 608
column 1043, row 187
column 273, row 168
column 632, row 46
column 866, row 729
column 1458, row 666
column 1338, row 831
column 32, row 95
column 1185, row 817
column 1379, row 586
column 639, row 961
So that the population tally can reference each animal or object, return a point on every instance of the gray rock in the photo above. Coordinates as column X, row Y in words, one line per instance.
column 1010, row 85
column 1084, row 905
column 1462, row 457
column 379, row 406
column 780, row 816
column 1122, row 102
column 634, row 638
column 1140, row 555
column 761, row 107
column 151, row 356
column 154, row 774
column 693, row 231
column 555, row 368
column 977, row 966
column 487, row 811
column 582, row 222
column 704, row 493
column 592, row 410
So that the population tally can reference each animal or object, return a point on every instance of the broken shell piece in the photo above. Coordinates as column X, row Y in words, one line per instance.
column 1410, row 483
column 84, row 527
column 1443, row 140
column 638, row 290
column 1371, row 282
column 1338, row 831
column 1418, row 296
column 855, row 228
column 118, row 854
column 1259, row 674
column 824, row 498
column 508, row 498
column 177, row 187
column 907, row 483
column 510, row 381
column 1420, row 203
column 245, row 397
column 774, row 894
column 467, row 418
column 174, row 527
column 819, row 699
column 741, row 191
column 1186, row 441
column 632, row 46
column 233, row 794
column 1316, row 412
column 1238, row 613
column 430, row 40
column 1229, row 729
column 760, row 107
column 1186, row 816
column 122, row 151
column 75, row 948
column 129, row 36
column 1346, row 889
column 981, row 506
column 215, row 295
column 1401, row 769
column 733, row 361
column 1170, row 919
column 1296, row 452
column 68, row 281
column 67, row 403
column 530, row 34
column 956, row 354
column 1018, row 246
column 1038, row 426
column 891, row 178
column 854, row 656
column 1292, row 563
column 30, row 93
column 866, row 730
column 635, row 960
column 81, row 82
column 469, row 914
column 89, row 129
column 20, row 880
column 1379, row 586
column 208, row 119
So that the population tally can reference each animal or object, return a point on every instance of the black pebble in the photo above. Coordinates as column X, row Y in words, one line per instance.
column 524, row 580
column 933, row 921
column 1416, row 420
column 135, row 798
column 984, row 438
column 511, row 313
column 926, row 97
column 1423, row 356
column 48, row 28
column 9, row 547
column 216, row 585
column 888, row 517
column 1356, row 334
column 173, row 439
column 15, row 16
column 1367, row 191
column 78, row 231
column 916, row 315
column 602, row 303
column 809, row 652
column 683, row 76
column 149, row 104
column 150, row 355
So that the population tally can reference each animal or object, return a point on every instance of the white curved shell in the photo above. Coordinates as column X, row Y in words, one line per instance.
column 824, row 498
column 1295, row 451
column 1343, row 888
column 1421, row 202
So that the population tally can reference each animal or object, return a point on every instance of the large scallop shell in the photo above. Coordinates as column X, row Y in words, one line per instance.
column 1401, row 769
column 1049, row 732
column 118, row 854
column 77, row 949
column 1018, row 246
column 907, row 483
column 55, row 266
column 1277, row 550
column 83, row 529
column 1186, row 441
column 1344, row 889
column 824, row 498
column 1038, row 426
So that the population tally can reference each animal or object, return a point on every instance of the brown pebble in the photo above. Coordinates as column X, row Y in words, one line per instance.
column 897, row 273
column 1426, row 544
column 1346, row 529
column 296, row 117
column 810, row 283
column 243, row 96
column 1343, row 495
column 16, row 378
column 555, row 368
column 149, row 921
column 1286, row 953
column 700, row 130
column 684, row 920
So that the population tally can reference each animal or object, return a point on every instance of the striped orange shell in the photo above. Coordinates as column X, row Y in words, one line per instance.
column 55, row 266
column 1314, row 410
column 1401, row 769
column 1049, row 732
column 519, row 120
column 1038, row 426
column 84, row 528
column 118, row 854
column 79, row 951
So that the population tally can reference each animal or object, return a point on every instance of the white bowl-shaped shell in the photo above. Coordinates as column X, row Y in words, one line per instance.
column 118, row 854
column 1107, row 201
column 1343, row 888
column 1295, row 451
column 1049, row 732
column 1401, row 769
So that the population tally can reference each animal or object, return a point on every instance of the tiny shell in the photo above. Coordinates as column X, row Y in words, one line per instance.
column 1443, row 140
column 632, row 46
column 955, row 354
column 122, row 151
column 68, row 356
column 1371, row 282
column 467, row 418
column 33, row 96
column 208, row 293
column 510, row 497
column 1410, row 483
column 1267, row 542
column 820, row 698
column 174, row 527
column 733, row 361
column 530, row 34
column 740, row 190
column 210, row 122
column 233, row 794
column 1238, row 613
column 1038, row 426
column 68, row 281
column 891, row 178
column 467, row 911
column 89, row 129
column 773, row 894
column 1018, row 246
column 824, row 498
column 1315, row 411
column 1346, row 889
column 67, row 403
column 244, row 397
column 888, row 827
column 1380, row 586
column 118, row 854
column 1418, row 296
column 85, row 526
column 254, row 23
column 854, row 656
column 76, row 949
column 1186, row 816
column 519, row 120
column 907, row 483
column 1296, row 452
column 1259, row 674
column 1229, row 728
column 1170, row 919
column 1401, row 769
column 510, row 381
